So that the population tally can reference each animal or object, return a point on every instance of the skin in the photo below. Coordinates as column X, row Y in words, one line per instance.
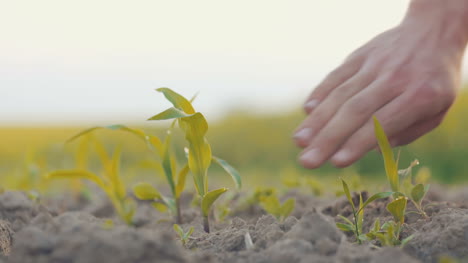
column 407, row 77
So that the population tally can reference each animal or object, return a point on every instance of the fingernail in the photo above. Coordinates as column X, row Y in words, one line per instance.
column 303, row 134
column 311, row 157
column 310, row 105
column 342, row 156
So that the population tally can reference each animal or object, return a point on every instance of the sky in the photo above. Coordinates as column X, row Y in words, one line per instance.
column 99, row 62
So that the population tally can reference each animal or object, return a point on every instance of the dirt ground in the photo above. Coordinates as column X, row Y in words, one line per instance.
column 70, row 230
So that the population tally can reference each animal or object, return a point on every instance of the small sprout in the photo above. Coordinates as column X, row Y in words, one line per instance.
column 110, row 183
column 391, row 166
column 355, row 226
column 199, row 153
column 415, row 192
column 184, row 236
column 272, row 205
column 397, row 208
column 389, row 233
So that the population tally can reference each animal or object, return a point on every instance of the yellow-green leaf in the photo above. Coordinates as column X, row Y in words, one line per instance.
column 360, row 214
column 178, row 230
column 181, row 181
column 167, row 163
column 209, row 199
column 375, row 197
column 347, row 193
column 145, row 191
column 397, row 208
column 345, row 227
column 136, row 132
column 177, row 100
column 155, row 143
column 230, row 170
column 69, row 174
column 160, row 207
column 171, row 113
column 417, row 193
column 287, row 207
column 391, row 166
column 199, row 156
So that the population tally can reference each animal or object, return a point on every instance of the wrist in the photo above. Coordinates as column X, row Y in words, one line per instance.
column 447, row 20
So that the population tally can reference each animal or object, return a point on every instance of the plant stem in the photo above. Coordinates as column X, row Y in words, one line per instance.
column 178, row 212
column 357, row 227
column 206, row 224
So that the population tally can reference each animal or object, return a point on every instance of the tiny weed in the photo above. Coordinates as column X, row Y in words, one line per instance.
column 272, row 205
column 184, row 236
column 355, row 226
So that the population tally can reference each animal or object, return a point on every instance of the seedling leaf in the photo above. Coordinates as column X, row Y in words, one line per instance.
column 199, row 156
column 397, row 208
column 169, row 114
column 167, row 163
column 417, row 193
column 230, row 170
column 345, row 227
column 181, row 181
column 346, row 220
column 406, row 240
column 136, row 132
column 177, row 100
column 145, row 191
column 391, row 166
column 209, row 199
column 179, row 230
column 287, row 207
column 347, row 193
column 375, row 197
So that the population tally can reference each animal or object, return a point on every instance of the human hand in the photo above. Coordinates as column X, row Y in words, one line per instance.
column 407, row 77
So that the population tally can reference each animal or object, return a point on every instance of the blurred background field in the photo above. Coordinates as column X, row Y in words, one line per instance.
column 259, row 146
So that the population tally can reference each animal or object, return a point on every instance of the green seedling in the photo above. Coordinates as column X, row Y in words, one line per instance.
column 389, row 233
column 110, row 182
column 195, row 127
column 184, row 236
column 391, row 165
column 308, row 182
column 176, row 181
column 272, row 205
column 167, row 165
column 355, row 226
column 417, row 192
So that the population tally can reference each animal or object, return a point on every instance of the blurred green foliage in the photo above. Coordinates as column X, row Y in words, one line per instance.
column 260, row 146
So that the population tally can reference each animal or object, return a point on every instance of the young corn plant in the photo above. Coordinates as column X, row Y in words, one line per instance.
column 272, row 205
column 195, row 127
column 184, row 236
column 389, row 233
column 166, row 164
column 355, row 226
column 110, row 182
column 415, row 193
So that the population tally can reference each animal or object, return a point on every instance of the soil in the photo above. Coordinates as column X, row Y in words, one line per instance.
column 77, row 230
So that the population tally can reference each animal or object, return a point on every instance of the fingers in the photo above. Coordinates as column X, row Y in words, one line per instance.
column 334, row 79
column 352, row 115
column 400, row 115
column 317, row 119
column 417, row 130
